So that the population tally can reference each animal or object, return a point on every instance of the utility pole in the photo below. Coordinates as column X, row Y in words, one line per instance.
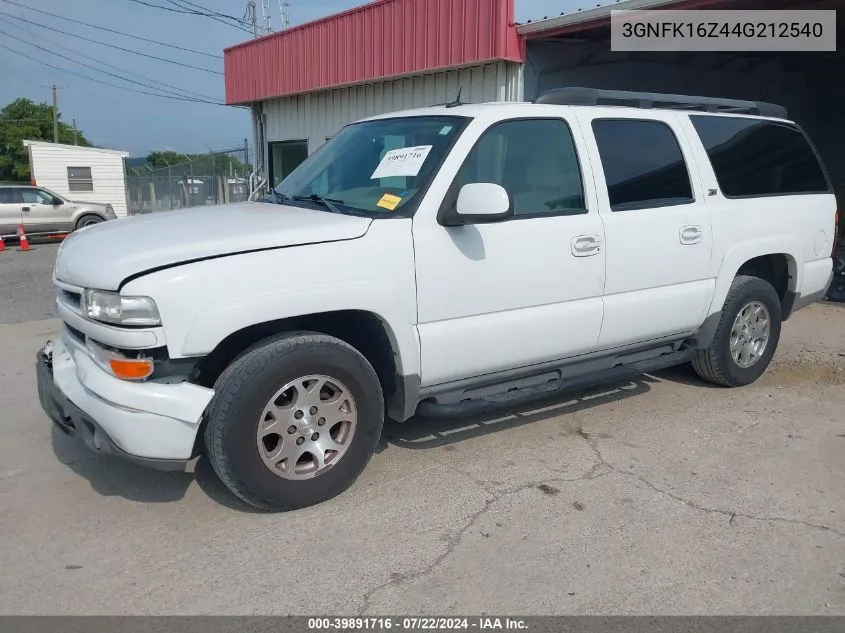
column 265, row 11
column 75, row 133
column 55, row 89
column 284, row 11
column 55, row 114
column 253, row 14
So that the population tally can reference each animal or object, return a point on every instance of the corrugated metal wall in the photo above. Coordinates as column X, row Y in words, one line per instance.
column 316, row 116
column 385, row 38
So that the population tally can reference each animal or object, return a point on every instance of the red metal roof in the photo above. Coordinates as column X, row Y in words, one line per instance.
column 384, row 38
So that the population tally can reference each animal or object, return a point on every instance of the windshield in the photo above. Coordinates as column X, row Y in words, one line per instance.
column 377, row 167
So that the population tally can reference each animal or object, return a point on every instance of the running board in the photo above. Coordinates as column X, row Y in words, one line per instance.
column 544, row 385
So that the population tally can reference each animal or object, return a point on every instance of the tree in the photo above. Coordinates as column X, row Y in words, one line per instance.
column 201, row 164
column 22, row 120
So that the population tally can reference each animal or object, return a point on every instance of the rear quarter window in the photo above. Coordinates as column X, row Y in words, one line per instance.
column 756, row 158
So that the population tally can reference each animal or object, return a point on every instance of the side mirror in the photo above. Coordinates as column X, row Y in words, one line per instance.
column 480, row 203
column 57, row 201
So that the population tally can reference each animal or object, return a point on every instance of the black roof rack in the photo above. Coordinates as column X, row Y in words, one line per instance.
column 593, row 96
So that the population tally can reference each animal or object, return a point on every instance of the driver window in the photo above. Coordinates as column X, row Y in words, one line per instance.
column 36, row 196
column 535, row 160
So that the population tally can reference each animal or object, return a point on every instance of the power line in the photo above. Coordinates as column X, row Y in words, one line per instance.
column 103, row 28
column 187, row 4
column 158, row 6
column 115, row 46
column 106, row 83
column 214, row 15
column 189, row 11
column 105, row 72
column 102, row 63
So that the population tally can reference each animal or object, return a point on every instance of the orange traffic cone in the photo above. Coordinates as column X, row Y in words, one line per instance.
column 2, row 244
column 23, row 241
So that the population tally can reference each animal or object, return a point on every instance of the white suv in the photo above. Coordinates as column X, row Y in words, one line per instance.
column 439, row 261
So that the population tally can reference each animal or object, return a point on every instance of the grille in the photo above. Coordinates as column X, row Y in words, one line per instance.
column 76, row 334
column 71, row 298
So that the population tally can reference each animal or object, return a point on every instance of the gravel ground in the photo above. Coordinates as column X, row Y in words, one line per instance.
column 26, row 288
column 664, row 495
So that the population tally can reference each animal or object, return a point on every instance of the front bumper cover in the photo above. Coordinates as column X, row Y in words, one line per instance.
column 75, row 423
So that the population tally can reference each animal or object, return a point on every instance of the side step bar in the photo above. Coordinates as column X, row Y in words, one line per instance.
column 554, row 385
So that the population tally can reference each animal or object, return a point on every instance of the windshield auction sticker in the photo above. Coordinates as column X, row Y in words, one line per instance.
column 406, row 161
column 389, row 201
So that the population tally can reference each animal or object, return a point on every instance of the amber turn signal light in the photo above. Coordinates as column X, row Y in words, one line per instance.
column 131, row 369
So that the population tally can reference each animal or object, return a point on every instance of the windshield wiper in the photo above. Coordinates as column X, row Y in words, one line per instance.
column 329, row 203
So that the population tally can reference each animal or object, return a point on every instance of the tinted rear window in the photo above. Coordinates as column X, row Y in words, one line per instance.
column 643, row 164
column 760, row 158
column 7, row 195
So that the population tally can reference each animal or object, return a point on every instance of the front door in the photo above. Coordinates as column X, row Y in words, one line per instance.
column 39, row 213
column 10, row 210
column 657, row 227
column 501, row 296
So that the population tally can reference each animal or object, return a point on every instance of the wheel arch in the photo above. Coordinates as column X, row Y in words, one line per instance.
column 774, row 261
column 366, row 331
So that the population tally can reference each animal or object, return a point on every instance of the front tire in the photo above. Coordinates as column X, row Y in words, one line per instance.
column 746, row 337
column 87, row 220
column 294, row 421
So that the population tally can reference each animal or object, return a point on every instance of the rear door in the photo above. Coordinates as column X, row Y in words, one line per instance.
column 39, row 213
column 657, row 226
column 10, row 210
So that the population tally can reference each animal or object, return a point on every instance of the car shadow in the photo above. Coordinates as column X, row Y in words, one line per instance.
column 684, row 375
column 111, row 476
column 421, row 433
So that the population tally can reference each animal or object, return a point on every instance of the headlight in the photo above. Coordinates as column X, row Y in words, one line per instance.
column 111, row 307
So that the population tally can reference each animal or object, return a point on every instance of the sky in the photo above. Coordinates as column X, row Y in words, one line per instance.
column 124, row 118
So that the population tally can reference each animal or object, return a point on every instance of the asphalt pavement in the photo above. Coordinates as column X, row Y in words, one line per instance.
column 26, row 287
column 663, row 495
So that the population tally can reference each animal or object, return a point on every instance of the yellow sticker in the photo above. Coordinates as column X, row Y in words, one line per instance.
column 389, row 201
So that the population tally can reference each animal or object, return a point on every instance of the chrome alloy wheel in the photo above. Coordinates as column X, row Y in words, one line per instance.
column 750, row 334
column 307, row 427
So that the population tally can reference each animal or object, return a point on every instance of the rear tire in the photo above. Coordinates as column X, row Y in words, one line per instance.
column 744, row 344
column 250, row 405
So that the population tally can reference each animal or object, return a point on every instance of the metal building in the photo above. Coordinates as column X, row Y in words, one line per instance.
column 305, row 83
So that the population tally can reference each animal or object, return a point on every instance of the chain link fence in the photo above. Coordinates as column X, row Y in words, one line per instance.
column 214, row 178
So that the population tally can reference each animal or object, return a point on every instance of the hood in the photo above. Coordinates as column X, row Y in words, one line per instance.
column 88, row 204
column 104, row 255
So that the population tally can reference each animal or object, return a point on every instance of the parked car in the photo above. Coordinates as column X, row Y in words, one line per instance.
column 43, row 211
column 438, row 261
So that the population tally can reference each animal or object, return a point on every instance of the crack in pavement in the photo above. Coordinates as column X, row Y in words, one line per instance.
column 456, row 538
column 593, row 444
column 601, row 468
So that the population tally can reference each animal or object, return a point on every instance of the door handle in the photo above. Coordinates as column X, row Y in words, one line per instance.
column 586, row 245
column 691, row 234
column 25, row 209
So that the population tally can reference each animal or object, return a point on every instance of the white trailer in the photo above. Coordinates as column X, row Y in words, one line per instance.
column 84, row 174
